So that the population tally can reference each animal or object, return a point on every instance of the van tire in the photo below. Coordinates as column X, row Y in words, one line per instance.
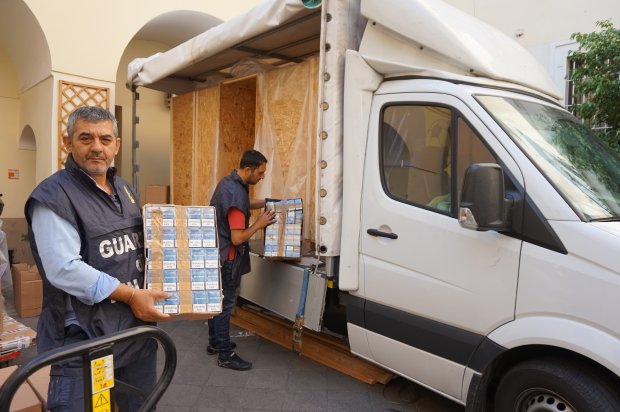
column 554, row 384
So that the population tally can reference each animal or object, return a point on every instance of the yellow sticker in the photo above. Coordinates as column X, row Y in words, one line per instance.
column 101, row 401
column 102, row 373
column 129, row 195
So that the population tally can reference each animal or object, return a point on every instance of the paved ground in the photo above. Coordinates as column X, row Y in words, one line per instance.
column 279, row 381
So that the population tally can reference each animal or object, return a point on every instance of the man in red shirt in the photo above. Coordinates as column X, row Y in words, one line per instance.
column 232, row 204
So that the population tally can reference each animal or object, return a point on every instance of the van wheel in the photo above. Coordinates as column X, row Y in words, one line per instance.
column 555, row 385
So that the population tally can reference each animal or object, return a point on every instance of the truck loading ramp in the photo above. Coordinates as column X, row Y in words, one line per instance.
column 325, row 349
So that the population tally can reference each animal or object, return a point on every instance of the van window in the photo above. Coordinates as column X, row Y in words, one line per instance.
column 417, row 142
column 577, row 163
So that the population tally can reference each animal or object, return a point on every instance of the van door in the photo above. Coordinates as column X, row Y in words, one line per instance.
column 432, row 290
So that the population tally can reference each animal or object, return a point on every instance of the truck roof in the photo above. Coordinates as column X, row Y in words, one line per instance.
column 403, row 37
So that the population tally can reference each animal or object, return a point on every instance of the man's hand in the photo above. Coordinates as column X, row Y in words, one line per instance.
column 238, row 236
column 141, row 302
column 265, row 219
column 142, row 305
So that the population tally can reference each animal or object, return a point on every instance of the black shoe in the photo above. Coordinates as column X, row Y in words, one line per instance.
column 234, row 362
column 212, row 351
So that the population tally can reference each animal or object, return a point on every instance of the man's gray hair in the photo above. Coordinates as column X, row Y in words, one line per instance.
column 90, row 114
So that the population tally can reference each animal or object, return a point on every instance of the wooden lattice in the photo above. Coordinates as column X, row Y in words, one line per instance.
column 70, row 97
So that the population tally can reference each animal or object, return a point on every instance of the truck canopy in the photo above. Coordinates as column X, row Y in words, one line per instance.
column 442, row 40
column 394, row 37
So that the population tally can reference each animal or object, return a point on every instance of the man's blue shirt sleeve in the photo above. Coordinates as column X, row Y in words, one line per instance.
column 58, row 244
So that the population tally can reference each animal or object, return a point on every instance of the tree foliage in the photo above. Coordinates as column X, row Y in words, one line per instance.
column 596, row 78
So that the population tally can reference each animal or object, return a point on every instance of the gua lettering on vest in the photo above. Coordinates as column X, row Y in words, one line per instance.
column 119, row 245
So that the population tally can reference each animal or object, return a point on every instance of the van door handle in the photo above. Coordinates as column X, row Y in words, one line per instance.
column 378, row 233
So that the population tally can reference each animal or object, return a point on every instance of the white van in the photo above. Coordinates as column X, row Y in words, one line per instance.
column 468, row 223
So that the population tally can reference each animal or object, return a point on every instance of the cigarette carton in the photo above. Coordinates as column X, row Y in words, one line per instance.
column 283, row 238
column 183, row 258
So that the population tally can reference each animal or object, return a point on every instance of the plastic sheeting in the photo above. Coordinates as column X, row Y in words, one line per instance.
column 174, row 70
column 286, row 135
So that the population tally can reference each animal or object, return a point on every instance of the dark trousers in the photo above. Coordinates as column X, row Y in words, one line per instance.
column 66, row 388
column 219, row 326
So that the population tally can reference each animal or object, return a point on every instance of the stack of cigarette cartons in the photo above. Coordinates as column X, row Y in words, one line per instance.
column 283, row 238
column 182, row 258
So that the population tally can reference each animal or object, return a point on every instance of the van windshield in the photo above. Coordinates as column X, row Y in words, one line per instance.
column 581, row 167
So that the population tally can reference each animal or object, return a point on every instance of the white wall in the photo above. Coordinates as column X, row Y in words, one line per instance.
column 15, row 191
column 75, row 29
column 36, row 111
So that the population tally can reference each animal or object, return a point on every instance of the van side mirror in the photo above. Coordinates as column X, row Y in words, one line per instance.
column 483, row 205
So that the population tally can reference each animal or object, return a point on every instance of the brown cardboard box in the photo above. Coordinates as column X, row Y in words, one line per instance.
column 157, row 194
column 16, row 230
column 39, row 381
column 15, row 336
column 25, row 399
column 27, row 290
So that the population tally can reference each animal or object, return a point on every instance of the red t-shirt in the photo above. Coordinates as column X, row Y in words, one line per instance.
column 236, row 220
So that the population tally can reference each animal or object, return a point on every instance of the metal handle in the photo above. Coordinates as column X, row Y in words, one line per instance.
column 7, row 391
column 378, row 233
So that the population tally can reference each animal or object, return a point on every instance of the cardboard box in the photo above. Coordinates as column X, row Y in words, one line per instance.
column 25, row 400
column 182, row 259
column 15, row 335
column 39, row 382
column 157, row 194
column 283, row 238
column 27, row 290
column 16, row 230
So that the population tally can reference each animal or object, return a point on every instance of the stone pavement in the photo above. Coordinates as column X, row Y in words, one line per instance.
column 280, row 380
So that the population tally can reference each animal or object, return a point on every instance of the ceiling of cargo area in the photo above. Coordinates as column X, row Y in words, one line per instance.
column 290, row 42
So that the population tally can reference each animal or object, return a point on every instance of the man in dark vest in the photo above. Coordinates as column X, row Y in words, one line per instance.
column 232, row 204
column 86, row 235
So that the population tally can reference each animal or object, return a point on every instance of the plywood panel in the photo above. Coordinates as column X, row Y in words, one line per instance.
column 182, row 148
column 207, row 130
column 237, row 127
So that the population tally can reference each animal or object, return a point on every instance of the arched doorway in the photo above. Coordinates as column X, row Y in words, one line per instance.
column 153, row 131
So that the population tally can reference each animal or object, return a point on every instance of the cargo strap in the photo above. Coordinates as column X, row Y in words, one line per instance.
column 298, row 326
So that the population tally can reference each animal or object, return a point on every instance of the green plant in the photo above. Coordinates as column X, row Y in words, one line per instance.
column 596, row 81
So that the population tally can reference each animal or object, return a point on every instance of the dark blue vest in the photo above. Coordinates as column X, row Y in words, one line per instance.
column 111, row 241
column 231, row 191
